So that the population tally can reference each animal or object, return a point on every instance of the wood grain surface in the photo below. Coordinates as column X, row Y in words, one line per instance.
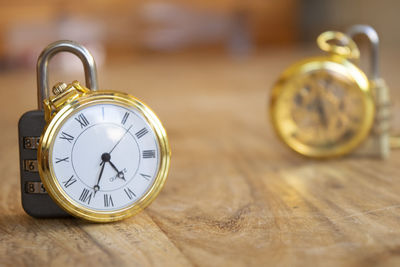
column 235, row 195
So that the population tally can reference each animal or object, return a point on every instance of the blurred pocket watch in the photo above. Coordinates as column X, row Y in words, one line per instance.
column 327, row 106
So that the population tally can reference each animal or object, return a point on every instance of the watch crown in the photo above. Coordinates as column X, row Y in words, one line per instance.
column 59, row 88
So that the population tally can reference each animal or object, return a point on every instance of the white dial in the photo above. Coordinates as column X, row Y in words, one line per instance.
column 105, row 156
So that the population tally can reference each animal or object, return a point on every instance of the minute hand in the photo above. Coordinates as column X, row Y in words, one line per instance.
column 120, row 139
column 96, row 186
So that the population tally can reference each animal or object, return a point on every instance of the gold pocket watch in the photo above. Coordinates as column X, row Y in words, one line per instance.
column 103, row 155
column 327, row 106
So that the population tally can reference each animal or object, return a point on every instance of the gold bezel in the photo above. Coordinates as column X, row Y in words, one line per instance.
column 335, row 64
column 54, row 188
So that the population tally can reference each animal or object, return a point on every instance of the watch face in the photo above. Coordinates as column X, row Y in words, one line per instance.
column 322, row 112
column 325, row 109
column 105, row 156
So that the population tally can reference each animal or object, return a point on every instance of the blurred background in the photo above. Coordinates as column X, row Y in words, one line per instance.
column 178, row 50
column 122, row 29
column 206, row 67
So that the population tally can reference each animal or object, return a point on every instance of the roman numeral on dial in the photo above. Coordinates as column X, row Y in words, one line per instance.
column 147, row 154
column 108, row 201
column 129, row 193
column 126, row 115
column 67, row 137
column 145, row 176
column 58, row 160
column 69, row 182
column 86, row 196
column 82, row 120
column 141, row 133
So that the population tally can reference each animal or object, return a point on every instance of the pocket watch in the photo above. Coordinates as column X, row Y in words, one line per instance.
column 103, row 155
column 324, row 106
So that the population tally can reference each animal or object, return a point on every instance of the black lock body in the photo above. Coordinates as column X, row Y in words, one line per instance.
column 35, row 200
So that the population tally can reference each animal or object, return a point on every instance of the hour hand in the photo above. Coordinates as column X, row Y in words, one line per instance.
column 322, row 112
column 120, row 174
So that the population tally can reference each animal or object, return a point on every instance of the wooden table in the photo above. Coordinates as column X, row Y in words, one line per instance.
column 235, row 195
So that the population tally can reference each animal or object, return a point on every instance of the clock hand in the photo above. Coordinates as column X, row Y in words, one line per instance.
column 104, row 158
column 97, row 187
column 115, row 177
column 120, row 139
column 120, row 174
column 321, row 110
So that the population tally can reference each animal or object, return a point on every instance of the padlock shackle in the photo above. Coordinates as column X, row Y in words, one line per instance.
column 89, row 65
column 374, row 40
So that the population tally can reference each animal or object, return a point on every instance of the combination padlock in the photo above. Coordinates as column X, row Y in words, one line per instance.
column 378, row 142
column 35, row 200
column 327, row 106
